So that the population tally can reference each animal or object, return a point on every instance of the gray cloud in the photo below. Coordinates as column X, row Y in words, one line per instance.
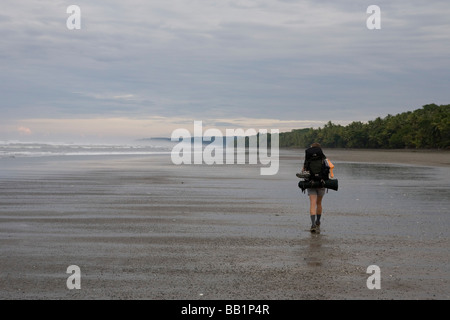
column 222, row 59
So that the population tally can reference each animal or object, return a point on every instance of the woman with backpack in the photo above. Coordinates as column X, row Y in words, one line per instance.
column 314, row 164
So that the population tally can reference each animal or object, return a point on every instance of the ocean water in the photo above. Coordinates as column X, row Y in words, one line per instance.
column 16, row 149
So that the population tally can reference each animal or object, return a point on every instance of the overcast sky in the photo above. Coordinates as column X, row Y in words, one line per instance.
column 142, row 68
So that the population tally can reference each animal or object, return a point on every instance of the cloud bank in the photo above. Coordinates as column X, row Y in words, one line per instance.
column 272, row 61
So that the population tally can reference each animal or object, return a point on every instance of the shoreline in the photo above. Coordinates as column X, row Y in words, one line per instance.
column 438, row 158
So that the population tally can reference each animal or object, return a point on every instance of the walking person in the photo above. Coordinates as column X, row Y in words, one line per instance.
column 314, row 164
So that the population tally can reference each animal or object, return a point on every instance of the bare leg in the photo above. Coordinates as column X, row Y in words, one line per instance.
column 319, row 204
column 313, row 204
column 318, row 210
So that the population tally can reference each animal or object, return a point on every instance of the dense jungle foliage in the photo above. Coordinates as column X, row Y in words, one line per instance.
column 425, row 128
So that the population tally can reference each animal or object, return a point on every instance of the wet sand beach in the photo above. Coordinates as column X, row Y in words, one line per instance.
column 140, row 227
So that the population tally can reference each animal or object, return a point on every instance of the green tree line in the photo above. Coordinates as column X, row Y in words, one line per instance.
column 424, row 128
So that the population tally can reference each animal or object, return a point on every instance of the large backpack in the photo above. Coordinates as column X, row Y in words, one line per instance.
column 316, row 164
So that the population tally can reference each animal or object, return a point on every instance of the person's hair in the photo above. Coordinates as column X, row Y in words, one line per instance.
column 315, row 144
